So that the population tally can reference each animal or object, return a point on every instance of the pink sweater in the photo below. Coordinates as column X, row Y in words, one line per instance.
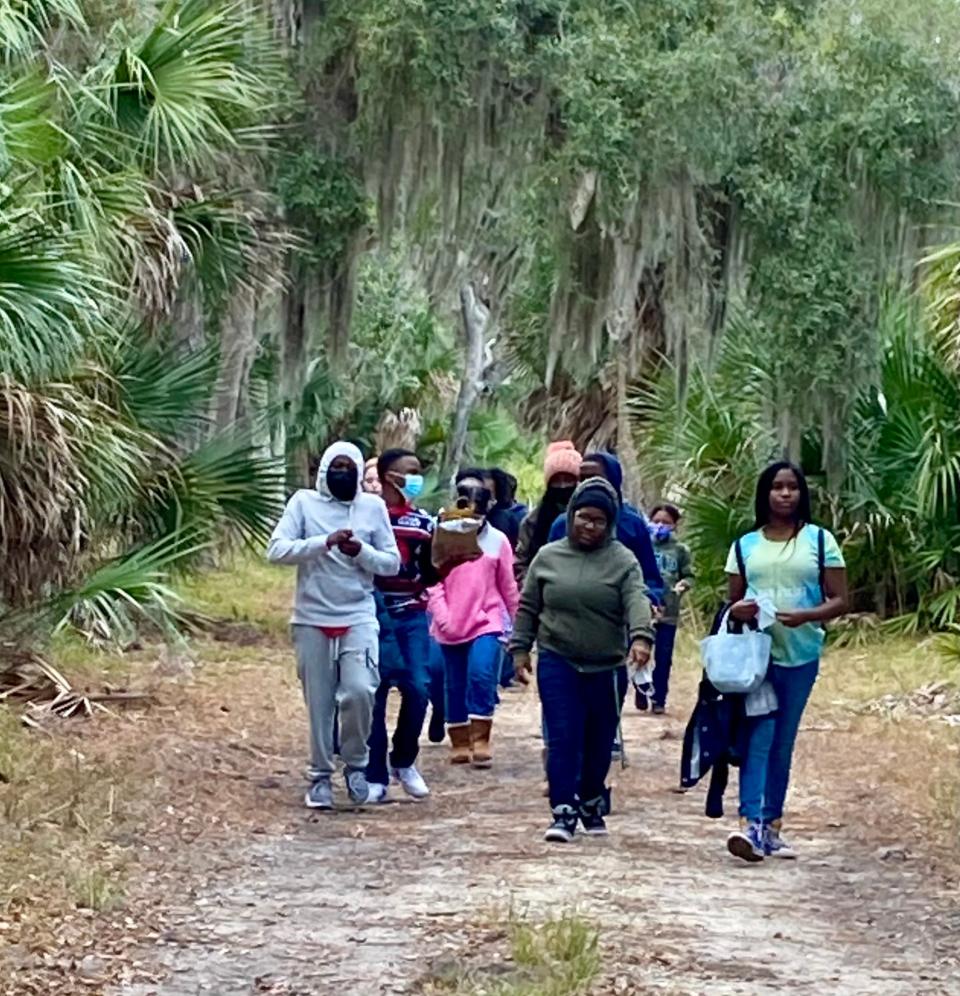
column 476, row 598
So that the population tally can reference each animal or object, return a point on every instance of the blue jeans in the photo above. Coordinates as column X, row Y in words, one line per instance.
column 472, row 672
column 666, row 635
column 438, row 694
column 507, row 672
column 405, row 648
column 580, row 712
column 765, row 772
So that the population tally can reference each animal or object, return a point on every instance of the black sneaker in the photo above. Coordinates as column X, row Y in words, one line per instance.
column 640, row 700
column 591, row 817
column 564, row 825
column 657, row 709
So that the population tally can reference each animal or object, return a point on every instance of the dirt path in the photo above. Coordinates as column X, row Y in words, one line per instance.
column 374, row 902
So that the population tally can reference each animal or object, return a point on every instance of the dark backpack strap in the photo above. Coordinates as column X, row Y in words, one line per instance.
column 822, row 562
column 741, row 563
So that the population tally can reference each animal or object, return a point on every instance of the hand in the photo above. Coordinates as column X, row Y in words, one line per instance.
column 793, row 619
column 340, row 536
column 657, row 612
column 350, row 547
column 522, row 667
column 639, row 653
column 681, row 587
column 745, row 610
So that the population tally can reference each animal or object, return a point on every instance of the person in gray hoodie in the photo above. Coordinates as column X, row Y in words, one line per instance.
column 340, row 538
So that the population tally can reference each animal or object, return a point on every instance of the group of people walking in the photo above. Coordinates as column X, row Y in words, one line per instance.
column 583, row 589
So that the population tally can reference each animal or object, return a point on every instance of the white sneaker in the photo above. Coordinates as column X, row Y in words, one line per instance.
column 412, row 782
column 378, row 793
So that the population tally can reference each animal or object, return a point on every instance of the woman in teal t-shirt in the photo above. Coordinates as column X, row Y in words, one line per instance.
column 781, row 562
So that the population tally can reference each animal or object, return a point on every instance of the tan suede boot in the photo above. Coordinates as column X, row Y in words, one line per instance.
column 460, row 752
column 480, row 732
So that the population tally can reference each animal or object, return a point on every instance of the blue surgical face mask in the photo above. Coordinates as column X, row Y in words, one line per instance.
column 412, row 486
column 660, row 531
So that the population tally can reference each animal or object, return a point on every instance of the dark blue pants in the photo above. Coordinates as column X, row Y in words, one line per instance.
column 405, row 649
column 437, row 684
column 663, row 658
column 765, row 771
column 580, row 713
column 472, row 671
column 507, row 672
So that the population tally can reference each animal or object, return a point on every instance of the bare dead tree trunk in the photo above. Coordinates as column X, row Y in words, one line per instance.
column 476, row 319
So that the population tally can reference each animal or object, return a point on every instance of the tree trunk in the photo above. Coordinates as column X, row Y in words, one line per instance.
column 238, row 347
column 476, row 318
column 626, row 449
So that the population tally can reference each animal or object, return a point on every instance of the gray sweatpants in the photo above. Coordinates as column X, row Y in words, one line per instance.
column 338, row 672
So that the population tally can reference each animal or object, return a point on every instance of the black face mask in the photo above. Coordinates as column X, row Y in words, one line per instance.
column 560, row 497
column 342, row 483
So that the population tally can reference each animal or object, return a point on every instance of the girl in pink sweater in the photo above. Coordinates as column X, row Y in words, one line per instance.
column 472, row 607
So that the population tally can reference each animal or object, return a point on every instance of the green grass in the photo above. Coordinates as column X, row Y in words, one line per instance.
column 884, row 666
column 248, row 590
column 560, row 957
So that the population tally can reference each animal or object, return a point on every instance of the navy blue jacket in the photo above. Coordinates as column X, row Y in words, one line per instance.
column 715, row 738
column 631, row 530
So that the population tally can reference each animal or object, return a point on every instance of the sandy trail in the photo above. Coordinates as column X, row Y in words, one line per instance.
column 375, row 902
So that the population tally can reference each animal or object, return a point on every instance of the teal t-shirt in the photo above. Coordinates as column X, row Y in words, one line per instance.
column 788, row 573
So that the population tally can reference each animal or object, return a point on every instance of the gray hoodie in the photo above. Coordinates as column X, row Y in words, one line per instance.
column 332, row 588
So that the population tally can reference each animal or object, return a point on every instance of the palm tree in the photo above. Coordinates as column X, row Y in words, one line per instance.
column 132, row 182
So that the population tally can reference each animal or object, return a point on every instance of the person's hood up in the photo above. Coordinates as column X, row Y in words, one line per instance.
column 590, row 484
column 612, row 468
column 329, row 455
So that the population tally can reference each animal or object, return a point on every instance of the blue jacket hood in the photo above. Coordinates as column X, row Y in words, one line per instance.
column 613, row 470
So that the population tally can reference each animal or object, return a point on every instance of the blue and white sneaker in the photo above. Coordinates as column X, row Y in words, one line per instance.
column 564, row 826
column 357, row 787
column 320, row 794
column 377, row 793
column 748, row 842
column 591, row 818
column 774, row 845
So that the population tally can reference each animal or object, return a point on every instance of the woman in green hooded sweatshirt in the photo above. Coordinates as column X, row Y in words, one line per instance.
column 585, row 605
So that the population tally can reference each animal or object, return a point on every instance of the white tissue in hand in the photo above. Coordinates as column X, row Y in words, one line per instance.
column 766, row 612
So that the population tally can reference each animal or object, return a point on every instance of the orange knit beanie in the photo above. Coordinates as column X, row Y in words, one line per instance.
column 562, row 458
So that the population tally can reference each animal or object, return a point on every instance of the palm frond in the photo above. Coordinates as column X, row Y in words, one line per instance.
column 124, row 592
column 225, row 489
column 29, row 134
column 47, row 298
column 24, row 24
column 161, row 392
column 188, row 90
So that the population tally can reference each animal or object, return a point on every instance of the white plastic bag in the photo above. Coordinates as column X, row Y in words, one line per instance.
column 736, row 663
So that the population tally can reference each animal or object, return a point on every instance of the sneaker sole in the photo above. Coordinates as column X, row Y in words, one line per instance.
column 741, row 848
column 484, row 763
column 310, row 804
column 598, row 832
column 780, row 856
column 558, row 837
column 415, row 795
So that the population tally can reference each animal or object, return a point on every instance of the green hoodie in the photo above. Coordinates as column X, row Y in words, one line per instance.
column 582, row 604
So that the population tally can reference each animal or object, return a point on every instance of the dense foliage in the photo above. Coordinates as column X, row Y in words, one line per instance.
column 125, row 191
column 231, row 231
